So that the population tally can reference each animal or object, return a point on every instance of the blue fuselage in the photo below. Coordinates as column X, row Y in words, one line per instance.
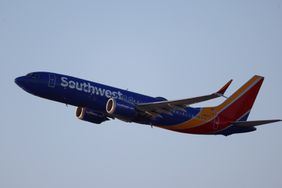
column 83, row 93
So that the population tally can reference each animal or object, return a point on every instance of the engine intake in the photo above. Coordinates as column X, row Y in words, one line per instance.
column 89, row 115
column 121, row 109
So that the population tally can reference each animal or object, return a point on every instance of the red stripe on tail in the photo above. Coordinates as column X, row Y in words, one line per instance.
column 241, row 101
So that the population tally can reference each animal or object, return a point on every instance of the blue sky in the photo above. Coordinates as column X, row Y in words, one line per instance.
column 174, row 49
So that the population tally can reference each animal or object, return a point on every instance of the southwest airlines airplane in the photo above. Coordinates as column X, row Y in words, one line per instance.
column 97, row 103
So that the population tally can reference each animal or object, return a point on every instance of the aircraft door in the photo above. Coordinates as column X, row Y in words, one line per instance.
column 216, row 123
column 52, row 81
column 216, row 120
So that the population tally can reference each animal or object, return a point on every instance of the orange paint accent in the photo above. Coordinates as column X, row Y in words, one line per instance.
column 209, row 114
column 238, row 92
column 205, row 115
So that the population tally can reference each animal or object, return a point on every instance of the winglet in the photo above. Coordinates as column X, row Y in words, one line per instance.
column 224, row 88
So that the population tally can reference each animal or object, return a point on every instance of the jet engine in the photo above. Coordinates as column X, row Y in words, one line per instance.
column 89, row 115
column 121, row 109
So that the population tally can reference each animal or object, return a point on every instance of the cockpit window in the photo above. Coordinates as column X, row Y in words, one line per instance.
column 33, row 75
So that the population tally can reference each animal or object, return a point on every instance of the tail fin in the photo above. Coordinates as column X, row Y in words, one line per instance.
column 238, row 106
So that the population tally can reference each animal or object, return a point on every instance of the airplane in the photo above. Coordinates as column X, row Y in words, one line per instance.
column 97, row 103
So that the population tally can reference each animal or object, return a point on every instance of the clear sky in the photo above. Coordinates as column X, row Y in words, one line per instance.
column 175, row 49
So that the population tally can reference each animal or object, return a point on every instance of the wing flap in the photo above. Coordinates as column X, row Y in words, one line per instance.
column 180, row 104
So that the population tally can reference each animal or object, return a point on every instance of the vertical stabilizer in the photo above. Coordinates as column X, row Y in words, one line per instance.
column 238, row 106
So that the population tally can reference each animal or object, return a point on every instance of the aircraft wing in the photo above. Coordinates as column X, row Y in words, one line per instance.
column 254, row 123
column 156, row 108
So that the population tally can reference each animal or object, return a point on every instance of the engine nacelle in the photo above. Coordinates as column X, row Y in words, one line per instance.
column 89, row 115
column 121, row 109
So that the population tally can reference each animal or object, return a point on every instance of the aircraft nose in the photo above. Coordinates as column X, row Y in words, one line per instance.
column 20, row 81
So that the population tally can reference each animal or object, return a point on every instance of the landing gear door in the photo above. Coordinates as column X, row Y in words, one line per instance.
column 52, row 81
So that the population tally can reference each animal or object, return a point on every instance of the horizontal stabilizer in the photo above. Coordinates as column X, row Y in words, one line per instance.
column 254, row 123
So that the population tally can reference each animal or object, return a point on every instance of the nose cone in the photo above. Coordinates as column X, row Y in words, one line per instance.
column 21, row 81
